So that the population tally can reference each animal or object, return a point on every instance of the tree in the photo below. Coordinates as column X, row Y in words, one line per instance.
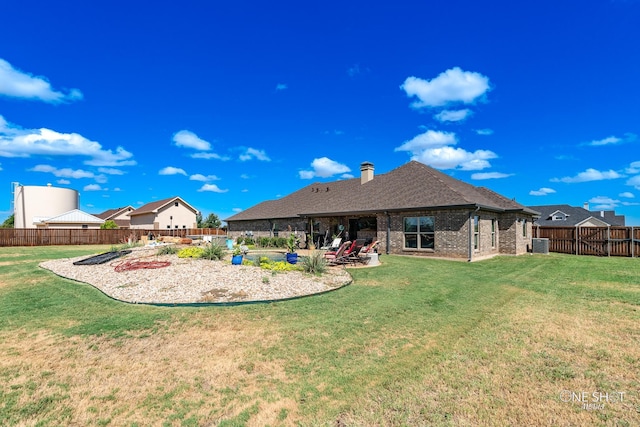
column 8, row 223
column 212, row 221
column 199, row 220
column 109, row 225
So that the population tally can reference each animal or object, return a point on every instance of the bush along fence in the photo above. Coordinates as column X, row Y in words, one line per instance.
column 599, row 241
column 74, row 236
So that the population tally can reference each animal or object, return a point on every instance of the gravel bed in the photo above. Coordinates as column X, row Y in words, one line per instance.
column 189, row 280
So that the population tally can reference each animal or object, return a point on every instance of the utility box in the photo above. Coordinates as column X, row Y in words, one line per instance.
column 541, row 246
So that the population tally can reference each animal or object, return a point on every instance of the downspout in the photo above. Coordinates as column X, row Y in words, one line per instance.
column 471, row 233
column 388, row 232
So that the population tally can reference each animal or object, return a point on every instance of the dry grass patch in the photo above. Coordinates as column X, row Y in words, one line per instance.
column 207, row 373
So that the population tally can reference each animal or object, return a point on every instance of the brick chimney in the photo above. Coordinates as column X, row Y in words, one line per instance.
column 366, row 172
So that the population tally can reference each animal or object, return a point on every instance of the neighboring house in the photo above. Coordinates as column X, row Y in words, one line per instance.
column 72, row 219
column 570, row 216
column 413, row 209
column 118, row 215
column 169, row 213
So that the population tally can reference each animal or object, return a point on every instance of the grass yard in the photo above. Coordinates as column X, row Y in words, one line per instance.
column 509, row 341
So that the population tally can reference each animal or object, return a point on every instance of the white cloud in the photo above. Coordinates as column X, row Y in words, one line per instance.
column 18, row 84
column 252, row 153
column 92, row 187
column 185, row 138
column 635, row 182
column 244, row 176
column 63, row 173
column 281, row 86
column 490, row 175
column 428, row 139
column 453, row 115
column 346, row 176
column 63, row 181
column 606, row 141
column 603, row 200
column 324, row 167
column 17, row 142
column 542, row 192
column 236, row 210
column 208, row 155
column 613, row 140
column 454, row 85
column 627, row 194
column 589, row 175
column 212, row 187
column 111, row 171
column 633, row 168
column 433, row 148
column 455, row 158
column 484, row 131
column 203, row 178
column 170, row 170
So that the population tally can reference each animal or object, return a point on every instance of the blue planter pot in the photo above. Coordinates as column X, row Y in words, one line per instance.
column 292, row 258
column 236, row 260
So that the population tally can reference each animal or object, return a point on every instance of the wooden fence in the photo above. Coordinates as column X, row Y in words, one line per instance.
column 599, row 241
column 74, row 236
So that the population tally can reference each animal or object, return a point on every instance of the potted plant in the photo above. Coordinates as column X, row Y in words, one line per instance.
column 236, row 259
column 292, row 256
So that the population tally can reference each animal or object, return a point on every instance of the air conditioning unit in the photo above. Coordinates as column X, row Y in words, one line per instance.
column 541, row 246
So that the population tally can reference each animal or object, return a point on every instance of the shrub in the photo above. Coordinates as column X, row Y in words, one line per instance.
column 278, row 266
column 193, row 252
column 167, row 250
column 213, row 251
column 314, row 263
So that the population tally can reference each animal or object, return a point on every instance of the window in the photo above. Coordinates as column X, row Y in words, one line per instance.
column 524, row 228
column 168, row 226
column 476, row 232
column 176, row 226
column 419, row 232
column 85, row 226
column 494, row 227
column 175, row 204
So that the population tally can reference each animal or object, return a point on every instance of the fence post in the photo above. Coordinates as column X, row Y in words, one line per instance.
column 577, row 240
column 609, row 241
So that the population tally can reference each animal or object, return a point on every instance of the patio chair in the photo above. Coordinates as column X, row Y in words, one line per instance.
column 352, row 255
column 334, row 245
column 333, row 258
column 370, row 248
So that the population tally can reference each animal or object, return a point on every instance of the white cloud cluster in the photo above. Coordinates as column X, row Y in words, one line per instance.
column 453, row 115
column 68, row 173
column 633, row 168
column 613, row 140
column 484, row 131
column 490, row 175
column 434, row 148
column 203, row 178
column 589, row 175
column 627, row 195
column 188, row 139
column 451, row 86
column 542, row 192
column 324, row 167
column 212, row 188
column 634, row 182
column 170, row 170
column 253, row 153
column 17, row 142
column 18, row 84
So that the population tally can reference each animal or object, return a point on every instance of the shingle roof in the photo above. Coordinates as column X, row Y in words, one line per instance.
column 575, row 216
column 411, row 186
column 108, row 214
column 153, row 207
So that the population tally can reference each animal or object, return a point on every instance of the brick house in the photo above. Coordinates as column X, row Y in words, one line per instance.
column 413, row 209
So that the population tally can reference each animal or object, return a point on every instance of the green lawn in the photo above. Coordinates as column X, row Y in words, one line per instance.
column 507, row 341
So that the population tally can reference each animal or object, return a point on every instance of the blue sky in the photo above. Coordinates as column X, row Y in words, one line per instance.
column 228, row 104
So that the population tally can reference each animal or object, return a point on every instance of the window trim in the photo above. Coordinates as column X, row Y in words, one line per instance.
column 417, row 233
column 494, row 230
column 476, row 232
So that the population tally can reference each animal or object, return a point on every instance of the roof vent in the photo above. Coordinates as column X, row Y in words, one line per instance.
column 366, row 172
